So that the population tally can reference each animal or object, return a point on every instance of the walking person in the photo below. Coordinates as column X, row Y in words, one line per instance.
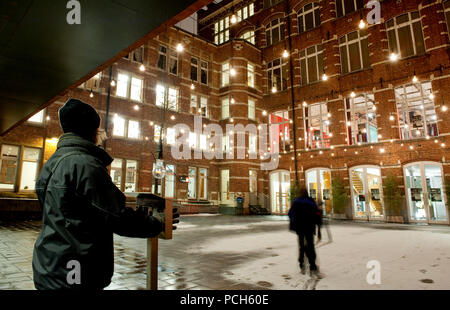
column 82, row 208
column 304, row 216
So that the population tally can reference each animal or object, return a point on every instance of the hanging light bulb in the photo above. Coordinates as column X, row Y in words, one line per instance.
column 353, row 95
column 324, row 77
column 233, row 19
column 415, row 79
column 431, row 96
column 91, row 94
column 285, row 54
column 362, row 24
column 160, row 171
column 180, row 47
column 305, row 104
column 136, row 107
column 232, row 100
column 192, row 86
column 393, row 57
column 392, row 118
column 232, row 72
column 264, row 113
column 444, row 108
column 274, row 89
column 142, row 68
column 113, row 83
column 172, row 117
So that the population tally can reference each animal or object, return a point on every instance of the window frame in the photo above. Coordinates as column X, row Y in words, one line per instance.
column 226, row 106
column 251, row 38
column 410, row 24
column 301, row 13
column 126, row 128
column 307, row 125
column 318, row 55
column 350, row 114
column 252, row 109
column 283, row 143
column 167, row 97
column 344, row 13
column 270, row 28
column 130, row 77
column 225, row 76
column 361, row 39
column 251, row 75
column 283, row 66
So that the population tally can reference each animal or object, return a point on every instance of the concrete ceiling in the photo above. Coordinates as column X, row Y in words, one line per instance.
column 41, row 55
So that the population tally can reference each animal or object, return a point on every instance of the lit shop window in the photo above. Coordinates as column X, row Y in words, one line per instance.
column 361, row 119
column 225, row 108
column 37, row 118
column 317, row 132
column 169, row 182
column 277, row 74
column 122, row 168
column 275, row 31
column 252, row 143
column 279, row 132
column 225, row 74
column 345, row 7
column 192, row 184
column 251, row 109
column 311, row 63
column 167, row 97
column 202, row 183
column 222, row 30
column 126, row 128
column 251, row 75
column 129, row 87
column 308, row 17
column 249, row 36
column 416, row 111
column 354, row 51
column 405, row 35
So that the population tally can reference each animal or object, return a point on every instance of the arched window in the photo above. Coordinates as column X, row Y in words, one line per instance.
column 308, row 17
column 275, row 31
column 249, row 36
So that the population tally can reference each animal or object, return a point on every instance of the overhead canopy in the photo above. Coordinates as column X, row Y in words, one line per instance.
column 42, row 55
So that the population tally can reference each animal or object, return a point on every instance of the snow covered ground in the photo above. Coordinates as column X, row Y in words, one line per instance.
column 409, row 257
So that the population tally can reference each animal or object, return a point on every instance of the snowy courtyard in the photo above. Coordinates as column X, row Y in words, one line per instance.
column 228, row 252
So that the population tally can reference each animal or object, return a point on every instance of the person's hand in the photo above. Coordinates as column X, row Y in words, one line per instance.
column 161, row 217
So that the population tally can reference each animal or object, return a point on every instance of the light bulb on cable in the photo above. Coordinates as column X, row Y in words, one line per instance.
column 180, row 47
column 232, row 72
column 393, row 57
column 274, row 89
column 362, row 24
column 192, row 86
column 142, row 68
column 160, row 171
column 324, row 77
column 233, row 19
column 415, row 79
column 113, row 83
column 285, row 54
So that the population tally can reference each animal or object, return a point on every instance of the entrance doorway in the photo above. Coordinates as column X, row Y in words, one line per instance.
column 279, row 192
column 425, row 192
column 225, row 186
column 319, row 187
column 367, row 193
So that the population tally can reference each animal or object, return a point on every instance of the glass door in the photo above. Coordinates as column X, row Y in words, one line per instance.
column 279, row 191
column 425, row 192
column 30, row 162
column 319, row 187
column 367, row 193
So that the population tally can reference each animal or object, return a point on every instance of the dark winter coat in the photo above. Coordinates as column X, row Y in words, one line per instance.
column 304, row 215
column 82, row 208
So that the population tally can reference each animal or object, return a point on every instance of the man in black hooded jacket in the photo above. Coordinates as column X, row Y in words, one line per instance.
column 304, row 216
column 82, row 208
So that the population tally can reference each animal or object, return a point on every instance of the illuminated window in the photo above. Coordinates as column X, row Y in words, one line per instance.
column 129, row 86
column 169, row 179
column 202, row 183
column 126, row 128
column 124, row 174
column 251, row 75
column 192, row 184
column 317, row 126
column 252, row 143
column 249, row 36
column 279, row 132
column 225, row 74
column 416, row 111
column 8, row 169
column 37, row 118
column 225, row 108
column 222, row 30
column 172, row 97
column 136, row 89
column 362, row 119
column 251, row 109
column 122, row 85
column 119, row 126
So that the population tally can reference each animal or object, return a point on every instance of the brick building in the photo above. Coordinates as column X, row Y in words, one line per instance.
column 354, row 98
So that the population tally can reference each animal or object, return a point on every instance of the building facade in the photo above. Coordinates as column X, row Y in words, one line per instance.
column 353, row 94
